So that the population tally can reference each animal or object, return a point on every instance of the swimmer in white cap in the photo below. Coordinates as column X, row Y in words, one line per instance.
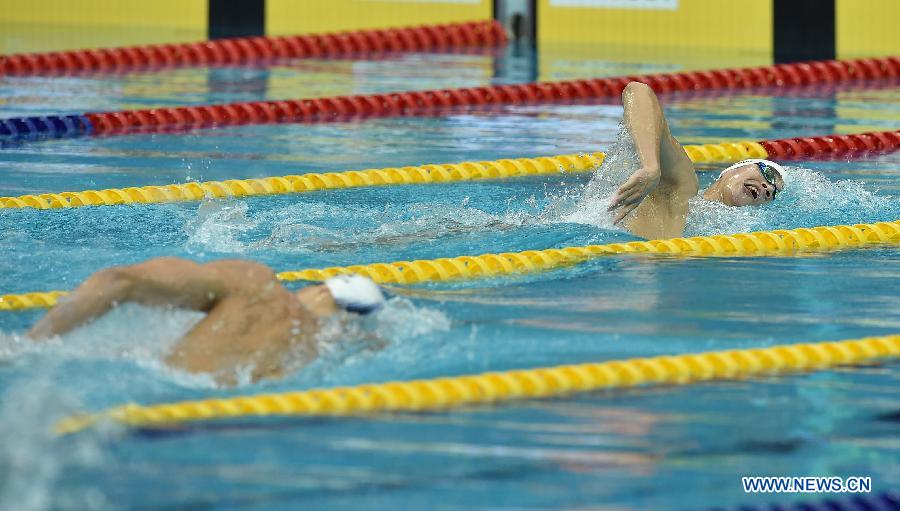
column 251, row 320
column 653, row 202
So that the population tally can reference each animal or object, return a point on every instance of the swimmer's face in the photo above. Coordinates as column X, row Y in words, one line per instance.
column 747, row 186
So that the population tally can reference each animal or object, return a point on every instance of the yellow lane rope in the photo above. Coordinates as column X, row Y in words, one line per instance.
column 439, row 173
column 765, row 243
column 36, row 300
column 779, row 242
column 451, row 392
column 725, row 152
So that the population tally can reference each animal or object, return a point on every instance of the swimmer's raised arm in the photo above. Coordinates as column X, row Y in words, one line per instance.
column 658, row 191
column 160, row 282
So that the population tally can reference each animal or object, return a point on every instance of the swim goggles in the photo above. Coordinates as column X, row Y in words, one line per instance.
column 769, row 174
column 769, row 170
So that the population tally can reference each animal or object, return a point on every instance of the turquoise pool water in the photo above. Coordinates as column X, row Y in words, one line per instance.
column 654, row 448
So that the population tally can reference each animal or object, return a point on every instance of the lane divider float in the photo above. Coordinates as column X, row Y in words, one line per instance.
column 256, row 50
column 497, row 387
column 784, row 242
column 438, row 173
column 726, row 152
column 432, row 102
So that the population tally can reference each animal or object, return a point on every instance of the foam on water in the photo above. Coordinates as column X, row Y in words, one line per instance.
column 587, row 204
column 217, row 225
column 297, row 229
column 34, row 461
column 394, row 334
column 131, row 332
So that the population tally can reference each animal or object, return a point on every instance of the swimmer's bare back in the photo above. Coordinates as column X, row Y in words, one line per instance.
column 252, row 321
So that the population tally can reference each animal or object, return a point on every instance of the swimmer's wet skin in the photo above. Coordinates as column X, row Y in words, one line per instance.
column 653, row 202
column 251, row 319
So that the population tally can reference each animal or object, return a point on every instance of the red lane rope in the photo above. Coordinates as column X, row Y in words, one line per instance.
column 431, row 102
column 258, row 49
column 832, row 145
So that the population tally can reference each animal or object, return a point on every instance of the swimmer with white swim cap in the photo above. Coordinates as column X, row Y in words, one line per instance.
column 355, row 293
column 653, row 202
column 251, row 320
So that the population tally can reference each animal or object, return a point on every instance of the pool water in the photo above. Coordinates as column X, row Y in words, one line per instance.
column 649, row 448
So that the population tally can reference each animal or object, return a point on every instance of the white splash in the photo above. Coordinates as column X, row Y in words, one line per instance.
column 429, row 222
column 217, row 226
column 33, row 460
column 588, row 204
column 298, row 228
column 400, row 320
column 131, row 332
column 349, row 340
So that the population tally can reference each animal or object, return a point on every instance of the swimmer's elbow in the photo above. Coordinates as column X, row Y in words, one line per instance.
column 637, row 87
column 113, row 285
column 641, row 105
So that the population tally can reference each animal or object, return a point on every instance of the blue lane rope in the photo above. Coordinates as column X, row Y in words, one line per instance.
column 45, row 126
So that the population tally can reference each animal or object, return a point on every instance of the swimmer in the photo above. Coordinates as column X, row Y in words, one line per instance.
column 653, row 202
column 251, row 319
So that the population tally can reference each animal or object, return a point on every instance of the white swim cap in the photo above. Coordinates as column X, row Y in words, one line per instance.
column 355, row 293
column 769, row 163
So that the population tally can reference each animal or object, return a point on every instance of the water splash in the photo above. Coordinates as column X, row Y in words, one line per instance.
column 349, row 344
column 217, row 225
column 313, row 227
column 133, row 333
column 587, row 204
column 398, row 321
column 34, row 462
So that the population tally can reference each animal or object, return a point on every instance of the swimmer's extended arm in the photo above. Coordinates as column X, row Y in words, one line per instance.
column 666, row 175
column 168, row 282
column 252, row 322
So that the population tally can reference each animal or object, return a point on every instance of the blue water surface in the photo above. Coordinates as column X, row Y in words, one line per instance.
column 648, row 448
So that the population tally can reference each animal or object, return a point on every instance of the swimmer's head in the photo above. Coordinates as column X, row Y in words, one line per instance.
column 747, row 183
column 352, row 293
column 355, row 293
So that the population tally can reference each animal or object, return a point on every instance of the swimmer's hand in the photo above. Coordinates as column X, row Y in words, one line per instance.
column 633, row 191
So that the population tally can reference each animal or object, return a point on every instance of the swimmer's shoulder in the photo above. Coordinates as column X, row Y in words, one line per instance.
column 171, row 271
column 242, row 273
